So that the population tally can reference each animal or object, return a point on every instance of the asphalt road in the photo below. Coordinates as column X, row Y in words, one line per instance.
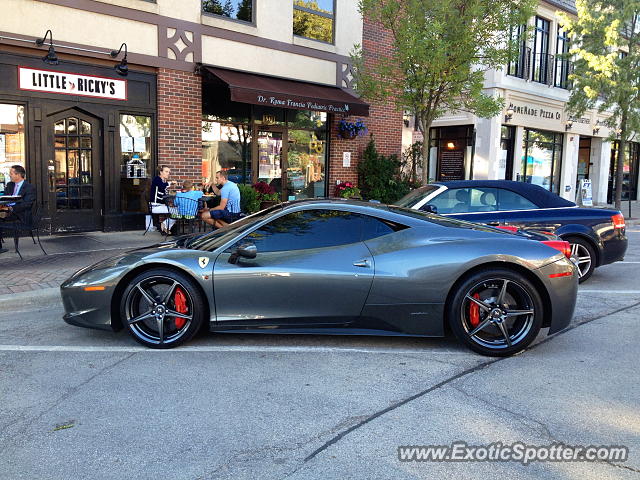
column 87, row 404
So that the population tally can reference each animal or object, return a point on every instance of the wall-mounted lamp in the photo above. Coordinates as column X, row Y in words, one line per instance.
column 509, row 113
column 618, row 132
column 451, row 145
column 568, row 125
column 122, row 68
column 596, row 127
column 51, row 57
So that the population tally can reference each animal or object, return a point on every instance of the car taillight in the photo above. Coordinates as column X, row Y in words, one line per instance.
column 508, row 228
column 618, row 220
column 559, row 245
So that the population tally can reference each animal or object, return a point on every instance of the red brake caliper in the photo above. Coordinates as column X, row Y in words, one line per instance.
column 474, row 311
column 180, row 301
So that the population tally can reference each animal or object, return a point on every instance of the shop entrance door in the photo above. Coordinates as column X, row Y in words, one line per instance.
column 584, row 160
column 73, row 173
column 271, row 157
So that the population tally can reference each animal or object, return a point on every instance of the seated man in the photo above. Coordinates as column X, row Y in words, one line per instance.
column 21, row 209
column 186, row 202
column 229, row 209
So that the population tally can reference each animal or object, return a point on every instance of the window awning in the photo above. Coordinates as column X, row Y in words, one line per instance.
column 278, row 92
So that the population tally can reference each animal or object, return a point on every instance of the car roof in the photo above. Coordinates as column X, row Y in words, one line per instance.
column 535, row 193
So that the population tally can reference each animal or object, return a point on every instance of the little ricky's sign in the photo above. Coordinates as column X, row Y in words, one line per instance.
column 71, row 84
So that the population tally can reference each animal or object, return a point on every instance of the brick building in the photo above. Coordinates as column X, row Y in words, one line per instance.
column 254, row 91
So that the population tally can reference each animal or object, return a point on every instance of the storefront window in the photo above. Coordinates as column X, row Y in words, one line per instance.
column 12, row 143
column 226, row 146
column 542, row 159
column 314, row 19
column 630, row 168
column 237, row 10
column 136, row 146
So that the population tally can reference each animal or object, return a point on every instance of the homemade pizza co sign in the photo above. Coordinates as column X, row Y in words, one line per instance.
column 71, row 84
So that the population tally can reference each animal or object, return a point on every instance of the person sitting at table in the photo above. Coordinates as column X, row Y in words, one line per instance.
column 159, row 186
column 229, row 209
column 186, row 208
column 18, row 186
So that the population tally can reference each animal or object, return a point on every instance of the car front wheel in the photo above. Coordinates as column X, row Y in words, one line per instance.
column 583, row 256
column 162, row 308
column 496, row 312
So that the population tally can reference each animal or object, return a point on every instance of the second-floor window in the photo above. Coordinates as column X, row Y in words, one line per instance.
column 563, row 63
column 235, row 9
column 519, row 67
column 542, row 62
column 314, row 19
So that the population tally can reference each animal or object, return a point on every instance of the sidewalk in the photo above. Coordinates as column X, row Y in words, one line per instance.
column 66, row 254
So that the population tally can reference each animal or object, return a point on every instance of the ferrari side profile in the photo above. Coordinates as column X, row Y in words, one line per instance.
column 333, row 267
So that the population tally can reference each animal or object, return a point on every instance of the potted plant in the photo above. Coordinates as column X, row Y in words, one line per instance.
column 347, row 190
column 267, row 195
column 351, row 129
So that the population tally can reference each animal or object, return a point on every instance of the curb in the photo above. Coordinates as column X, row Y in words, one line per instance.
column 29, row 299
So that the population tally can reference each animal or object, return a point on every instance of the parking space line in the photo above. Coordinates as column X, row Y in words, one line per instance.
column 231, row 348
column 630, row 292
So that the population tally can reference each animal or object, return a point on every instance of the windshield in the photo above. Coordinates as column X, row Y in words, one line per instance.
column 219, row 237
column 413, row 197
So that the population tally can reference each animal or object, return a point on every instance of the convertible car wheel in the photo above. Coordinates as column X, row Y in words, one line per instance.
column 583, row 256
column 161, row 308
column 496, row 312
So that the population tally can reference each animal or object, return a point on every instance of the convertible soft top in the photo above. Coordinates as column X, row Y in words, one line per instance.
column 535, row 193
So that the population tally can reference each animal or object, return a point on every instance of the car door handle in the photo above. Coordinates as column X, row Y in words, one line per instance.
column 493, row 224
column 364, row 263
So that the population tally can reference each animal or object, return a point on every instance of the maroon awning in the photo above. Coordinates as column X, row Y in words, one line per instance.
column 278, row 92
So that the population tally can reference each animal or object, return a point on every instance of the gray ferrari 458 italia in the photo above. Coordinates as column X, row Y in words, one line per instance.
column 333, row 267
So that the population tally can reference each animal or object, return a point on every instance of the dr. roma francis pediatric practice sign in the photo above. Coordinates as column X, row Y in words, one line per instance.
column 65, row 83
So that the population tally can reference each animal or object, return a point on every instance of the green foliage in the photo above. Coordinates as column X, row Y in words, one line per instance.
column 606, row 44
column 379, row 176
column 309, row 25
column 244, row 10
column 249, row 202
column 441, row 52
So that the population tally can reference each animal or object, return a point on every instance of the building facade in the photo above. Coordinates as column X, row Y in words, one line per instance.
column 534, row 139
column 255, row 88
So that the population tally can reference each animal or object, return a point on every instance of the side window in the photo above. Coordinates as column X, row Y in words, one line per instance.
column 483, row 200
column 513, row 201
column 453, row 200
column 306, row 229
column 374, row 227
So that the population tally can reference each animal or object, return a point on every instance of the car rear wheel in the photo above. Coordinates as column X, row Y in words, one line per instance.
column 496, row 312
column 162, row 308
column 583, row 256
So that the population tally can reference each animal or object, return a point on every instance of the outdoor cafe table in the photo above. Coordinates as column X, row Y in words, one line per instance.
column 8, row 199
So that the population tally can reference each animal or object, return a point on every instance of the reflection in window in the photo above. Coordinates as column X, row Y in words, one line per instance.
column 307, row 229
column 12, row 145
column 226, row 145
column 314, row 19
column 541, row 160
column 238, row 9
column 136, row 162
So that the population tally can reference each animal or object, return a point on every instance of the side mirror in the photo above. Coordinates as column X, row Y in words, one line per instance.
column 246, row 250
column 427, row 207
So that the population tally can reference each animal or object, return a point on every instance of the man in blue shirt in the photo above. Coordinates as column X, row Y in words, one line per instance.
column 229, row 209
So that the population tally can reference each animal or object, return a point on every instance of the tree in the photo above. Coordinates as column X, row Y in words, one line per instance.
column 245, row 8
column 309, row 25
column 212, row 6
column 441, row 51
column 606, row 45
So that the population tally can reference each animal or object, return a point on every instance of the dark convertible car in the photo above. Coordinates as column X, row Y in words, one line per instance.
column 596, row 235
column 333, row 267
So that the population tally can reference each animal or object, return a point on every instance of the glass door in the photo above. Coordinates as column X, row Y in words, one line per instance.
column 584, row 158
column 73, row 173
column 271, row 159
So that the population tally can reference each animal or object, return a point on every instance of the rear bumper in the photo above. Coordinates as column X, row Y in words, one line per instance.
column 562, row 290
column 614, row 249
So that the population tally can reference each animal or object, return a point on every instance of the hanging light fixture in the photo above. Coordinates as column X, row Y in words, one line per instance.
column 50, row 58
column 122, row 68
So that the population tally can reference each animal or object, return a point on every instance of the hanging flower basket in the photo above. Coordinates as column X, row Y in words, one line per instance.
column 351, row 129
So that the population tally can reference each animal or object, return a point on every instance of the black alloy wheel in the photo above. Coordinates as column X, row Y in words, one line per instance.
column 496, row 312
column 162, row 308
column 583, row 256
